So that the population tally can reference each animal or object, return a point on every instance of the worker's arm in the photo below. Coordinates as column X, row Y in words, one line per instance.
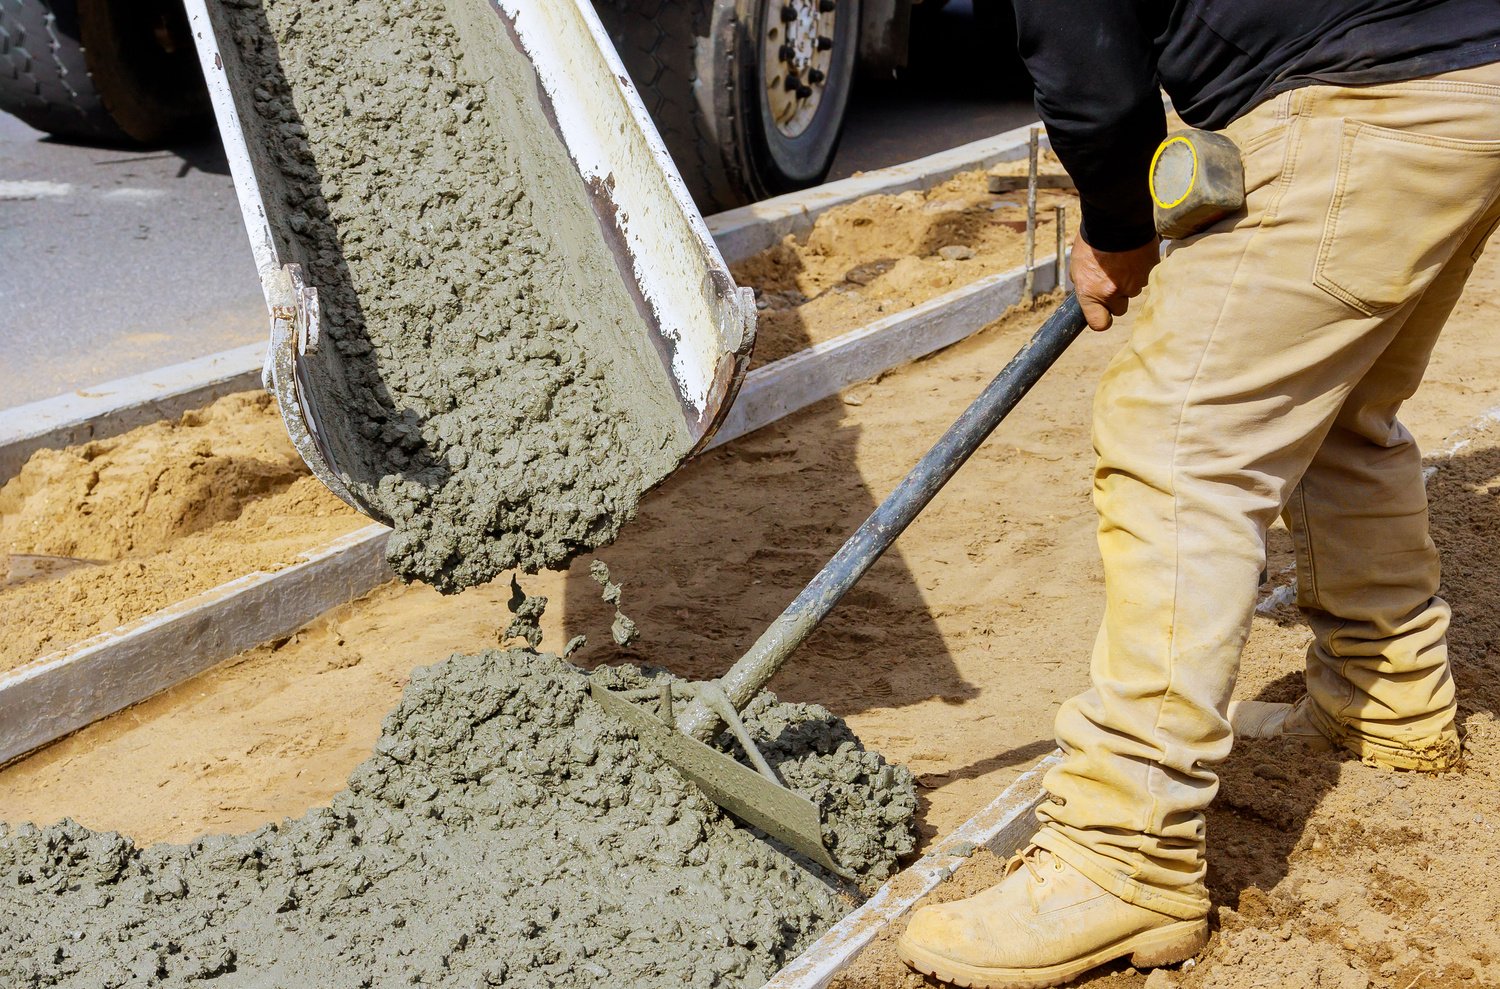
column 1096, row 90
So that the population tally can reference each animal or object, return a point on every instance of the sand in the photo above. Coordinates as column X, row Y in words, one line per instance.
column 152, row 516
column 505, row 831
column 882, row 254
column 488, row 386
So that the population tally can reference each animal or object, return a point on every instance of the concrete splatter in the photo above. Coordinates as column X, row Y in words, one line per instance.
column 623, row 629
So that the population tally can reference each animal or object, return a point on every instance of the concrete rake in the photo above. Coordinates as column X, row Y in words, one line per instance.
column 758, row 796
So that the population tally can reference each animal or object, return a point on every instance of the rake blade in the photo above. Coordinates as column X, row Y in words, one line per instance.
column 749, row 796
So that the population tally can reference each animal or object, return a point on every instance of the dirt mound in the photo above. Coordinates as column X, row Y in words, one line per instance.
column 137, row 493
column 159, row 513
column 883, row 254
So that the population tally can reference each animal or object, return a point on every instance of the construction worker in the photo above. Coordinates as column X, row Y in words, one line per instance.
column 1263, row 374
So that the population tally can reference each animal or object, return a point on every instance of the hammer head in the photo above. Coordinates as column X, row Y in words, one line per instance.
column 1197, row 178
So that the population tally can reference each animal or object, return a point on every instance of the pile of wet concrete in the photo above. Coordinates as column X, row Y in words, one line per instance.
column 505, row 831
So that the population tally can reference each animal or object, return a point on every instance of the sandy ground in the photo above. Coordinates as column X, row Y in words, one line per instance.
column 127, row 525
column 951, row 657
column 882, row 254
column 107, row 532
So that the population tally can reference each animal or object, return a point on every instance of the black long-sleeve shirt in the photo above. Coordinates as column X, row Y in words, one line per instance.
column 1097, row 65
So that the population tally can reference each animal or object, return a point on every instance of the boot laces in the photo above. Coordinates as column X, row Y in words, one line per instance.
column 1030, row 857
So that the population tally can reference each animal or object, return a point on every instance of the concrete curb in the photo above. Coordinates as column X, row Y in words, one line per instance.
column 1003, row 826
column 116, row 406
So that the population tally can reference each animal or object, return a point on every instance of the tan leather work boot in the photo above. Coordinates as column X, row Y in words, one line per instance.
column 1269, row 719
column 1042, row 925
column 1261, row 719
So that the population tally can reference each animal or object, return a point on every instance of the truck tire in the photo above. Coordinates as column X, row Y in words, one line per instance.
column 727, row 91
column 101, row 71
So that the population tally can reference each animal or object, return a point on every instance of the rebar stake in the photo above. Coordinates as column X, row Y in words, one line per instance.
column 1028, row 288
column 1060, row 262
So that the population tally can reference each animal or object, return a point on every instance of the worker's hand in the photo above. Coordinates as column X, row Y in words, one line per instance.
column 1106, row 281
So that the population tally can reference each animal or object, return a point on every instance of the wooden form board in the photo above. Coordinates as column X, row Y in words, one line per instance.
column 782, row 387
column 1003, row 826
column 62, row 692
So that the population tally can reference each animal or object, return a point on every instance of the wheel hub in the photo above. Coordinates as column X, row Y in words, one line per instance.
column 797, row 46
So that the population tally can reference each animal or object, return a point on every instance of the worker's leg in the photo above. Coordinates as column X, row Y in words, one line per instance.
column 1367, row 570
column 1250, row 340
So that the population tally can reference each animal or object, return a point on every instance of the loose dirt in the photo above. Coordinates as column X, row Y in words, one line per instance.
column 882, row 254
column 1326, row 872
column 950, row 657
column 153, row 516
column 540, row 843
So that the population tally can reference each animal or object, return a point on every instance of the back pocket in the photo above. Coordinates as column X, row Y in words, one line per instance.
column 1401, row 205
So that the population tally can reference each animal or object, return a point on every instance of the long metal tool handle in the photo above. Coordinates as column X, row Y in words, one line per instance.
column 753, row 670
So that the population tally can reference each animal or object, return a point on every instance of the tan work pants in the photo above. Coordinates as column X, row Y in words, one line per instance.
column 1263, row 376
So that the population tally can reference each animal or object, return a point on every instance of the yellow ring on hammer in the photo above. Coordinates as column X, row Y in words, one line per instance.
column 1151, row 177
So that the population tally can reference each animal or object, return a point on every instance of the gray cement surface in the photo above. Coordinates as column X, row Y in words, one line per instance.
column 113, row 262
column 505, row 831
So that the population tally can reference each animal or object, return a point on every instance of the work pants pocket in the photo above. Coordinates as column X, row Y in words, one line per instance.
column 1402, row 203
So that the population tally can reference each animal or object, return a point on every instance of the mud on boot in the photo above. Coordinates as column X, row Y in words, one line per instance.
column 1043, row 925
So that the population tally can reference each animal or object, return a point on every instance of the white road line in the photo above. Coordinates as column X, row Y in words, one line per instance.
column 134, row 194
column 17, row 189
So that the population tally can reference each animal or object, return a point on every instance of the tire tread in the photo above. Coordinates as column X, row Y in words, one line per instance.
column 44, row 75
column 657, row 41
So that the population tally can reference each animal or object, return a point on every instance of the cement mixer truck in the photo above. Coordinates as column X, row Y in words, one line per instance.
column 749, row 95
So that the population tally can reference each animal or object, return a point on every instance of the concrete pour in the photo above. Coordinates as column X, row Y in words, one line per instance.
column 505, row 831
column 490, row 389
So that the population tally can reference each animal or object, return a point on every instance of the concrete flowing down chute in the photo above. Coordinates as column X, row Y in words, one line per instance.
column 685, row 338
column 327, row 135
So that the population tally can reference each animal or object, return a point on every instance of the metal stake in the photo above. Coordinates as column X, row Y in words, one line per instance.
column 1029, row 286
column 1060, row 262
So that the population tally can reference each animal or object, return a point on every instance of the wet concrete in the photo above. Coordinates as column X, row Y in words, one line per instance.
column 488, row 386
column 505, row 831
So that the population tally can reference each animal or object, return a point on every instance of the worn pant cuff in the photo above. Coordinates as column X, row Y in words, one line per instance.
column 1190, row 903
column 1438, row 754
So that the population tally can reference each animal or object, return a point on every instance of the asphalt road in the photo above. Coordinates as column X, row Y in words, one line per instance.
column 114, row 262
